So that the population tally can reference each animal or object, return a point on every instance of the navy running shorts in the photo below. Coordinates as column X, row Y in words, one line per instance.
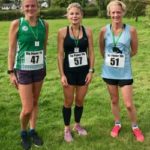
column 27, row 77
column 120, row 82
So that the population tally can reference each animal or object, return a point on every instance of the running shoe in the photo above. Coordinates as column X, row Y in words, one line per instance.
column 67, row 135
column 138, row 134
column 25, row 142
column 115, row 131
column 37, row 141
column 80, row 130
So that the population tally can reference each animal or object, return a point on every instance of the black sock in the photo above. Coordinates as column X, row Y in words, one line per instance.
column 23, row 134
column 66, row 115
column 31, row 132
column 78, row 113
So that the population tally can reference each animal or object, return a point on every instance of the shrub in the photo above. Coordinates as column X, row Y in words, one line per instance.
column 90, row 11
column 51, row 13
column 10, row 15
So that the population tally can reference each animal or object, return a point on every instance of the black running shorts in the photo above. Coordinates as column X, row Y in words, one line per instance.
column 76, row 78
column 120, row 82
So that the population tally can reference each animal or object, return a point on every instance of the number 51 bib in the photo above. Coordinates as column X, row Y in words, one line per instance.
column 77, row 59
column 115, row 60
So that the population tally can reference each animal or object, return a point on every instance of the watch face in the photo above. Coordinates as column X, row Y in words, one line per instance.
column 91, row 70
column 117, row 50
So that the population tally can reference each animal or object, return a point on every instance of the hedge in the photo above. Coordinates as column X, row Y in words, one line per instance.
column 51, row 13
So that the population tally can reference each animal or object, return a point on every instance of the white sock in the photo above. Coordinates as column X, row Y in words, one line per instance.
column 117, row 123
column 134, row 126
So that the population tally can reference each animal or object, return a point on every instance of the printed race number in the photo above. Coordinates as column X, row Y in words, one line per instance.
column 77, row 59
column 115, row 60
column 34, row 58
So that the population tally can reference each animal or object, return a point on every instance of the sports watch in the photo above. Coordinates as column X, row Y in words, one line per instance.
column 91, row 70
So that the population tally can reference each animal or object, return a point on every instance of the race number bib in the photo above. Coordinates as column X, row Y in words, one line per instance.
column 115, row 60
column 34, row 58
column 77, row 59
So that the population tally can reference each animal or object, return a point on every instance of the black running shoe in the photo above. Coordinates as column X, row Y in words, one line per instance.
column 25, row 143
column 37, row 141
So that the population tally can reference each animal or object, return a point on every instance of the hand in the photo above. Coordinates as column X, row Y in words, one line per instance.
column 64, row 81
column 88, row 78
column 13, row 80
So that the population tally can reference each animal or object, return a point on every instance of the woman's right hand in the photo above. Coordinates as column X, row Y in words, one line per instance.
column 64, row 81
column 13, row 80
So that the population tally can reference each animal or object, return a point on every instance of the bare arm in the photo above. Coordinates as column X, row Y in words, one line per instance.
column 134, row 41
column 101, row 41
column 12, row 44
column 12, row 50
column 91, row 48
column 60, row 55
column 46, row 39
column 90, row 55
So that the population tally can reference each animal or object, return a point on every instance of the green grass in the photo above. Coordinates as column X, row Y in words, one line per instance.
column 97, row 117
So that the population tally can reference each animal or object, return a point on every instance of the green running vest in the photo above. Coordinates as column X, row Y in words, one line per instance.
column 30, row 46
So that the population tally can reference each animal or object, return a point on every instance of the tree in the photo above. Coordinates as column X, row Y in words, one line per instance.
column 102, row 7
column 136, row 8
column 49, row 2
column 65, row 3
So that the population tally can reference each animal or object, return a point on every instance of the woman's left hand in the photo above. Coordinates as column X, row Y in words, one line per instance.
column 88, row 78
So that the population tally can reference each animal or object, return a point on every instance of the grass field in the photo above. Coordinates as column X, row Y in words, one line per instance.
column 97, row 117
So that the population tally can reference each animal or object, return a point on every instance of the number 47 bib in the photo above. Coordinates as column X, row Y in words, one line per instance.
column 115, row 60
column 33, row 58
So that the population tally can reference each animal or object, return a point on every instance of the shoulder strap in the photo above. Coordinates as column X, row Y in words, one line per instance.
column 67, row 31
column 84, row 32
column 42, row 22
column 21, row 20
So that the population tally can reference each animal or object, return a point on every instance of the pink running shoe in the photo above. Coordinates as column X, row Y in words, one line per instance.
column 138, row 134
column 115, row 131
column 68, row 136
column 80, row 130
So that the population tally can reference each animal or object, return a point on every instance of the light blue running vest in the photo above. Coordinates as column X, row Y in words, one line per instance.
column 124, row 45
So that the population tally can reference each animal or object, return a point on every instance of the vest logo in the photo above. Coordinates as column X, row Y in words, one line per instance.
column 25, row 28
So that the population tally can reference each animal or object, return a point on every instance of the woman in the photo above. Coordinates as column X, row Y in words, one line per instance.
column 116, row 40
column 26, row 66
column 75, row 62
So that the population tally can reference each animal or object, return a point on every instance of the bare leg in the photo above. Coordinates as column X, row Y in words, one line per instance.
column 36, row 92
column 26, row 96
column 80, row 95
column 114, row 95
column 128, row 101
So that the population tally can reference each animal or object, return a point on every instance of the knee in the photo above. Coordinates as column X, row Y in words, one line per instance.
column 79, row 103
column 129, row 107
column 68, row 103
column 114, row 101
column 27, row 112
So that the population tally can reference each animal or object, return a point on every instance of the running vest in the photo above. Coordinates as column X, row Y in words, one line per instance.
column 117, row 65
column 76, row 57
column 30, row 46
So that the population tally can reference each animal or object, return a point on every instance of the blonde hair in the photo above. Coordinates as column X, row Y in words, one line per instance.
column 116, row 2
column 77, row 5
